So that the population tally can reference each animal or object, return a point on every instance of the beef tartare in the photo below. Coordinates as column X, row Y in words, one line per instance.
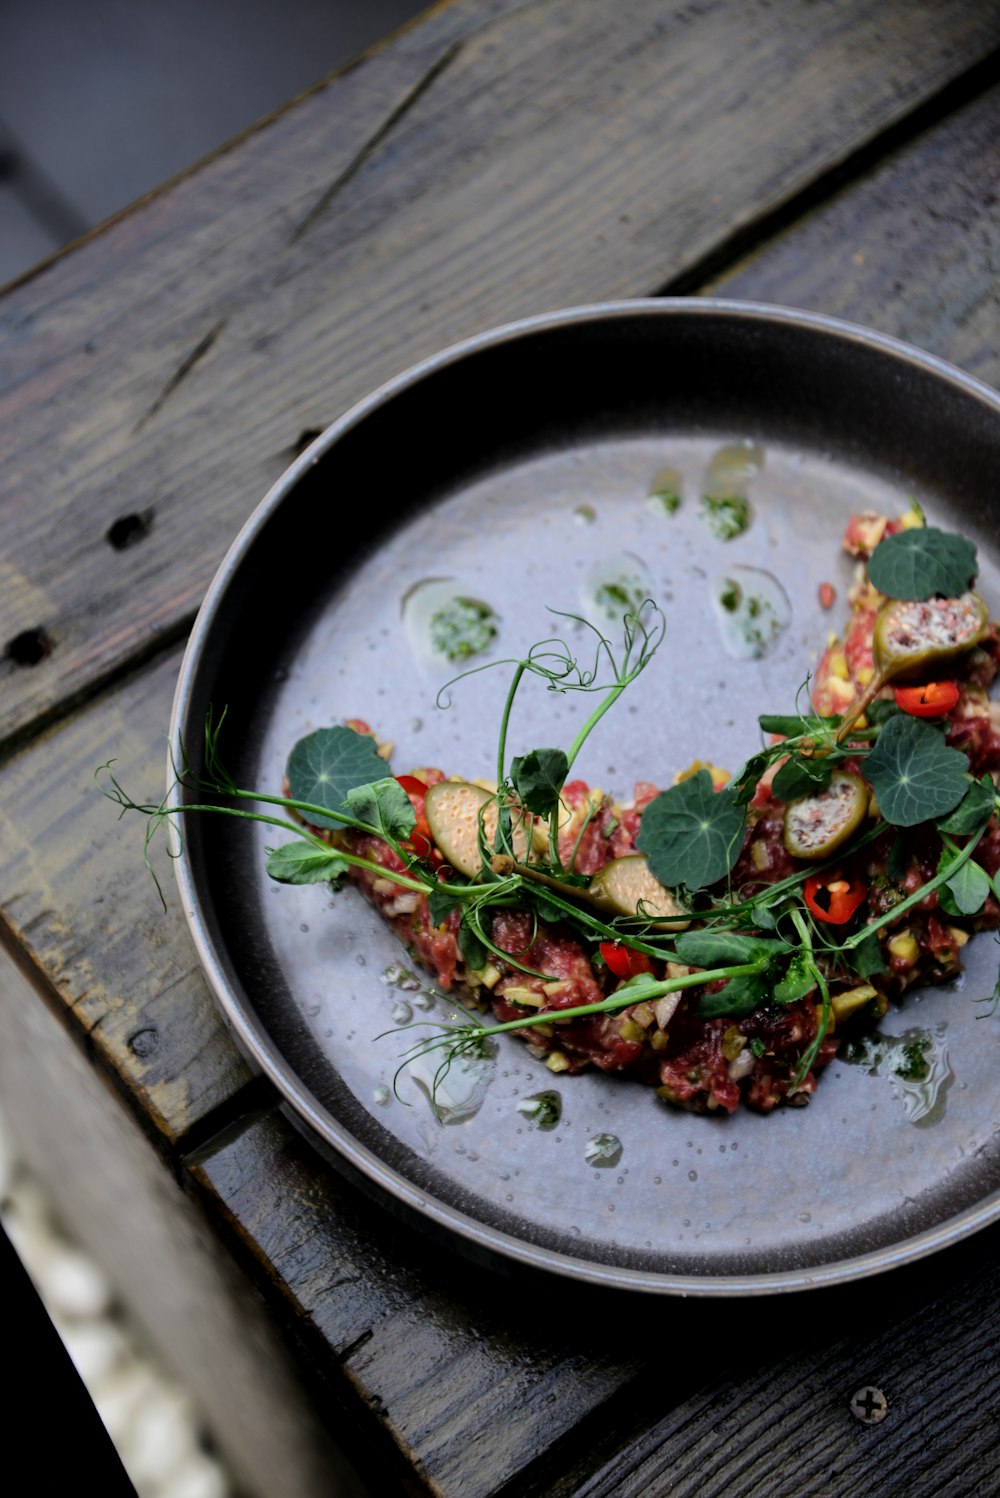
column 720, row 939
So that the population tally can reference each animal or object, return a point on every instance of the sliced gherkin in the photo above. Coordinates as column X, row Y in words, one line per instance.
column 816, row 826
column 914, row 639
column 626, row 887
column 452, row 808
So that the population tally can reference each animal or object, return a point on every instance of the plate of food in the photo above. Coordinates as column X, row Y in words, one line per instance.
column 584, row 765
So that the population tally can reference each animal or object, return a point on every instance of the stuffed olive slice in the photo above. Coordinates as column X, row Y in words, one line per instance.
column 816, row 826
column 914, row 638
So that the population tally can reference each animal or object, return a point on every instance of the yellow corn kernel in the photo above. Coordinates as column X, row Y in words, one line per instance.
column 911, row 521
column 658, row 1040
column 557, row 1061
column 865, row 674
column 958, row 936
column 851, row 1000
column 838, row 665
column 904, row 948
column 861, row 721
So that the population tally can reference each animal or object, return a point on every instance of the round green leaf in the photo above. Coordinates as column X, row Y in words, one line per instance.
column 327, row 764
column 914, row 773
column 919, row 563
column 692, row 834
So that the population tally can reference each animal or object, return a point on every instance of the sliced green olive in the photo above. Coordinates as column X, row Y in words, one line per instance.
column 914, row 639
column 625, row 884
column 452, row 808
column 816, row 826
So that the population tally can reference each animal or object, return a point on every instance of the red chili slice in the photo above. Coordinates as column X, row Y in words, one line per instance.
column 832, row 898
column 411, row 785
column 623, row 962
column 933, row 700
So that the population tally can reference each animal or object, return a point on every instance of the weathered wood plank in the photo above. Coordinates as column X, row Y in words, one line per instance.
column 82, row 908
column 530, row 1386
column 468, row 1373
column 913, row 249
column 925, row 1337
column 159, row 377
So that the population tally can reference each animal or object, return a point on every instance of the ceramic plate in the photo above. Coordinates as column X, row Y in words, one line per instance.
column 516, row 471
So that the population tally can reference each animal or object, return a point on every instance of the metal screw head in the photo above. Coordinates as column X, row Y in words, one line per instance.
column 869, row 1405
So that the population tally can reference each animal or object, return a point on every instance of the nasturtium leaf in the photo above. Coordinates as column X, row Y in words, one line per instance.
column 692, row 834
column 966, row 891
column 791, row 725
column 914, row 773
column 384, row 806
column 711, row 949
column 538, row 778
column 866, row 958
column 740, row 997
column 800, row 777
column 325, row 765
column 973, row 811
column 919, row 563
column 799, row 979
column 303, row 863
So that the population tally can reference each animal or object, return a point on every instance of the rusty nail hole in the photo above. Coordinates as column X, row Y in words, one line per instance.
column 869, row 1405
column 129, row 530
column 305, row 438
column 29, row 647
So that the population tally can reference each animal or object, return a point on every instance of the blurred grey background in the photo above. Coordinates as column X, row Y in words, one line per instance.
column 102, row 100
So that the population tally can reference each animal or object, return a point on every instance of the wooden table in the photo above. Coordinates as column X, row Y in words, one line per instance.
column 494, row 160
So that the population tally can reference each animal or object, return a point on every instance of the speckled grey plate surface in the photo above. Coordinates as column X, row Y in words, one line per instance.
column 514, row 466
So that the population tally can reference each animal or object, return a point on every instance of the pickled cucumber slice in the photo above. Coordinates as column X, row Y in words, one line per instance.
column 625, row 884
column 452, row 808
column 816, row 826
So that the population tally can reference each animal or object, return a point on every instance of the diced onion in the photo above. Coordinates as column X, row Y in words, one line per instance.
column 664, row 1009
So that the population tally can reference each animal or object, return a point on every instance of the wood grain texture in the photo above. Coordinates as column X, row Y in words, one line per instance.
column 495, row 160
column 913, row 249
column 490, row 1384
column 81, row 907
column 468, row 1373
column 925, row 1336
